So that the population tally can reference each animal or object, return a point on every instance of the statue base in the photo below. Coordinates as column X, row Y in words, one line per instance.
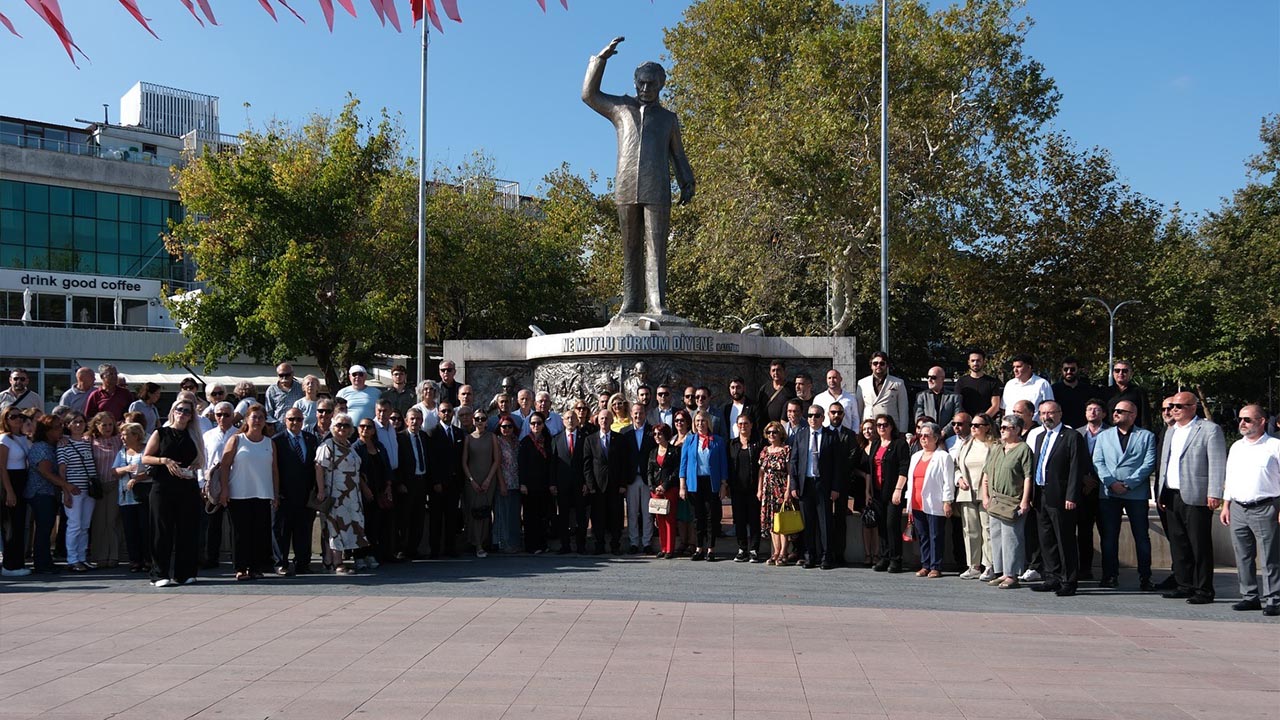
column 623, row 355
column 647, row 321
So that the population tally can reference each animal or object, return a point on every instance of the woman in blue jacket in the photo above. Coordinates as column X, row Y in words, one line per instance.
column 704, row 467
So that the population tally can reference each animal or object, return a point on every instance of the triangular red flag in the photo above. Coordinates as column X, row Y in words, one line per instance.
column 431, row 14
column 415, row 10
column 5, row 21
column 49, row 11
column 346, row 5
column 377, row 7
column 326, row 7
column 295, row 12
column 451, row 9
column 266, row 5
column 389, row 6
column 191, row 8
column 208, row 11
column 132, row 7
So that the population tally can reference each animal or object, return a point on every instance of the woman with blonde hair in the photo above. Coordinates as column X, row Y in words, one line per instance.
column 173, row 454
column 104, row 529
column 133, row 496
column 250, row 488
column 14, row 447
column 621, row 410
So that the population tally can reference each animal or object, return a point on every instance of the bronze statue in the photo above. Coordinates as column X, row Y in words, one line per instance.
column 648, row 145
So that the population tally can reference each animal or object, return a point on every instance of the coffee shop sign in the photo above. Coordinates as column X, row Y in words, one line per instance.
column 596, row 344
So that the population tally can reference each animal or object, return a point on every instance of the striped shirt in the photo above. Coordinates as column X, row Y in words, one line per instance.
column 77, row 456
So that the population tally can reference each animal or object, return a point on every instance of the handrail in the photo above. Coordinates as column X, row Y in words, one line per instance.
column 88, row 150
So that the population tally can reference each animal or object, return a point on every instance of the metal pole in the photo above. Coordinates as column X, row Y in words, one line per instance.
column 421, row 340
column 1111, row 333
column 884, row 175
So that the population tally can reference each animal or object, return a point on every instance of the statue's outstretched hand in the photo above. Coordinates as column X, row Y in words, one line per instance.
column 611, row 49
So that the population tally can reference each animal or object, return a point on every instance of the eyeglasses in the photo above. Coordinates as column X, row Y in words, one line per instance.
column 1070, row 369
column 980, row 424
column 836, row 412
column 814, row 415
column 534, row 423
column 324, row 411
column 342, row 425
column 883, row 424
column 772, row 432
column 18, row 378
column 961, row 424
column 1006, row 427
column 367, row 427
column 681, row 420
column 663, row 394
column 1121, row 371
column 289, row 374
column 222, row 414
column 1247, row 420
column 1119, row 411
column 506, row 426
column 1178, row 406
column 218, row 393
column 292, row 419
column 182, row 411
column 876, row 363
column 1166, row 408
column 934, row 377
column 448, row 369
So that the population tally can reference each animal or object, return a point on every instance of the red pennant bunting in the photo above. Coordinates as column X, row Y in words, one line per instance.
column 49, row 11
column 191, row 8
column 326, row 7
column 389, row 6
column 295, row 12
column 266, row 5
column 346, row 5
column 208, row 11
column 451, row 9
column 132, row 7
column 377, row 7
column 5, row 21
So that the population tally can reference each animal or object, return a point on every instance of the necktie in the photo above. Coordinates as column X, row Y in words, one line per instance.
column 571, row 436
column 604, row 443
column 1045, row 446
column 417, row 456
column 297, row 447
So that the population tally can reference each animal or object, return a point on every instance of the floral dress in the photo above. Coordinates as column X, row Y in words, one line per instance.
column 345, row 521
column 775, row 467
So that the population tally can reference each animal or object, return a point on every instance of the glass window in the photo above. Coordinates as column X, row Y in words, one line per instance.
column 108, row 263
column 10, row 195
column 11, row 307
column 37, row 230
column 61, row 260
column 86, row 203
column 135, row 312
column 37, row 197
column 153, row 211
column 108, row 236
column 150, row 239
column 108, row 206
column 85, row 235
column 60, row 200
column 152, row 268
column 51, row 308
column 38, row 258
column 130, row 243
column 60, row 233
column 86, row 262
column 84, row 310
column 11, row 227
column 12, row 256
column 55, row 383
column 9, row 133
column 130, row 208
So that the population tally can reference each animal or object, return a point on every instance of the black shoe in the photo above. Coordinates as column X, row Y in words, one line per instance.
column 1199, row 600
column 697, row 555
column 209, row 565
column 598, row 549
column 895, row 568
column 302, row 570
column 827, row 565
column 741, row 556
column 1176, row 595
column 1169, row 583
column 1146, row 585
column 617, row 549
column 711, row 556
column 1271, row 611
column 1245, row 605
column 649, row 550
column 1047, row 587
column 809, row 564
column 1067, row 590
column 1109, row 582
column 881, row 566
column 633, row 550
column 755, row 556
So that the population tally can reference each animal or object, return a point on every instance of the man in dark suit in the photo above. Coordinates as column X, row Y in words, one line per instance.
column 846, row 448
column 296, row 464
column 818, row 477
column 937, row 403
column 608, row 466
column 444, row 468
column 771, row 400
column 569, row 486
column 411, row 486
column 1061, row 460
column 640, row 439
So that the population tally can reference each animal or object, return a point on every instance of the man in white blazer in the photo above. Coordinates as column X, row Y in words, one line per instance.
column 882, row 393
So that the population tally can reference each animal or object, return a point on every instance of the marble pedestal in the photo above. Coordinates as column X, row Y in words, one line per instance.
column 623, row 355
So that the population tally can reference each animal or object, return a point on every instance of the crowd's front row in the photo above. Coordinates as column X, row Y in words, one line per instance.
column 378, row 491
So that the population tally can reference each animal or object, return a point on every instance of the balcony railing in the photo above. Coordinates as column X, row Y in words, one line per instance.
column 88, row 150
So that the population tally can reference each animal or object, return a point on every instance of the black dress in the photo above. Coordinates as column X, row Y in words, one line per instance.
column 744, row 483
column 175, row 509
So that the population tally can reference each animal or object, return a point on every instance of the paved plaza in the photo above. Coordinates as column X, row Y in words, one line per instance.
column 570, row 637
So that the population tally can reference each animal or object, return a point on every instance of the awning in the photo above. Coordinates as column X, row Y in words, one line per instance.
column 135, row 371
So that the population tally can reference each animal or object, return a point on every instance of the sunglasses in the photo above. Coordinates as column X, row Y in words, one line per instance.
column 182, row 411
column 534, row 423
column 291, row 374
column 324, row 411
column 960, row 424
column 1248, row 420
column 1178, row 406
column 506, row 426
column 836, row 412
column 342, row 425
column 1118, row 411
column 218, row 414
column 814, row 415
column 218, row 393
column 1121, row 371
column 1006, row 427
column 293, row 419
column 935, row 377
column 980, row 424
column 663, row 394
column 367, row 427
column 880, row 425
column 772, row 432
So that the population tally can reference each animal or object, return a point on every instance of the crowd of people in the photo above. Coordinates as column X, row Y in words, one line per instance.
column 1013, row 476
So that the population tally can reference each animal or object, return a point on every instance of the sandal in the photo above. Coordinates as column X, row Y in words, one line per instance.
column 243, row 575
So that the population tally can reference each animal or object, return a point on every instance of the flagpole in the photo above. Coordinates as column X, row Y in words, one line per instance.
column 422, row 208
column 884, row 175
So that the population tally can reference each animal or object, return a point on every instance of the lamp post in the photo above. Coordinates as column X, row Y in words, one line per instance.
column 1111, row 339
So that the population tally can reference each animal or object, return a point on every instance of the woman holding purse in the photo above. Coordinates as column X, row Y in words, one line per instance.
column 664, row 484
column 1006, row 480
column 133, row 488
column 775, row 458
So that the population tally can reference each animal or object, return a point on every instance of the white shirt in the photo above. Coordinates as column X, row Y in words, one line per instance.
column 952, row 443
column 1043, row 458
column 1178, row 435
column 214, row 442
column 852, row 408
column 387, row 436
column 1035, row 391
column 815, row 449
column 735, row 410
column 430, row 418
column 1253, row 470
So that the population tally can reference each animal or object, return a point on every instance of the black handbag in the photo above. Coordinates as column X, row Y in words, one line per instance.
column 95, row 489
column 870, row 518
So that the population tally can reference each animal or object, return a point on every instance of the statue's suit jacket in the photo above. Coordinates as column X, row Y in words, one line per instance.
column 648, row 143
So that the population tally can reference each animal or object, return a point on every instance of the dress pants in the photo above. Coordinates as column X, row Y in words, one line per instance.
column 1006, row 545
column 977, row 533
column 13, row 523
column 606, row 518
column 639, row 524
column 44, row 511
column 537, row 507
column 1032, row 557
column 442, row 513
column 1058, row 549
column 837, row 530
column 890, row 531
column 250, row 534
column 292, row 528
column 411, row 516
column 573, row 510
column 1190, row 532
column 1254, row 535
column 1086, row 520
column 1110, row 510
column 137, row 527
column 746, row 519
column 175, row 528
column 815, row 508
column 212, row 535
column 931, row 537
column 104, row 527
column 706, row 514
column 667, row 523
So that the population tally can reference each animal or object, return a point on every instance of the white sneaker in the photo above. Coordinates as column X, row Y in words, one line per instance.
column 1030, row 576
column 19, row 572
column 189, row 581
column 164, row 582
column 481, row 553
column 987, row 575
column 970, row 574
column 372, row 563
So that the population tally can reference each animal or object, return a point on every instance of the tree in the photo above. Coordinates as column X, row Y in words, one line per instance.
column 307, row 241
column 780, row 108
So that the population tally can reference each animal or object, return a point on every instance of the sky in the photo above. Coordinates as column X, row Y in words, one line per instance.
column 1174, row 89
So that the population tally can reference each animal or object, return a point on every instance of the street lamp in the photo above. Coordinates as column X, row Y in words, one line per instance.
column 1111, row 339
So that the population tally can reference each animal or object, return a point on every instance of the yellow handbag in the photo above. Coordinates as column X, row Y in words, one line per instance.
column 787, row 521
